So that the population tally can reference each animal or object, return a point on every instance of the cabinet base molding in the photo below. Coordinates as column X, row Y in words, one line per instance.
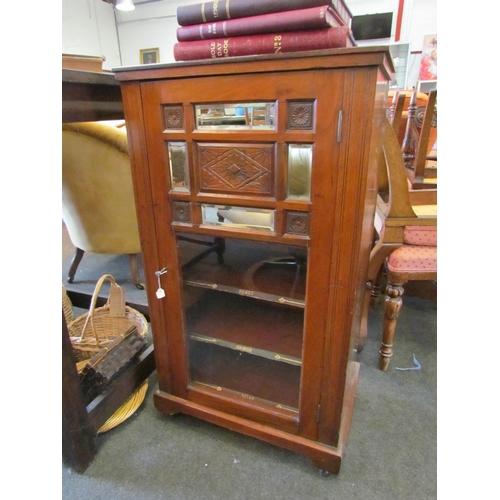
column 326, row 458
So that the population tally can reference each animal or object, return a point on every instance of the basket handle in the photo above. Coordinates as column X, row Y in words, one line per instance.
column 116, row 303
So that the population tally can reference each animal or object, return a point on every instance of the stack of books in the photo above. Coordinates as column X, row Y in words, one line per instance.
column 231, row 28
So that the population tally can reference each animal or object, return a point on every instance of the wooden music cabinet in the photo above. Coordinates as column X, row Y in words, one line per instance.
column 255, row 184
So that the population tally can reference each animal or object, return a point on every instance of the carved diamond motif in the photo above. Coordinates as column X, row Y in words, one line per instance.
column 236, row 170
column 245, row 169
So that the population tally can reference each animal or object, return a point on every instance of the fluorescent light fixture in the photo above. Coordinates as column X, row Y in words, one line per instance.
column 126, row 5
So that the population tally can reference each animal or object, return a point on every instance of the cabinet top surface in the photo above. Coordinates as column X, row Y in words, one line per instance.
column 331, row 58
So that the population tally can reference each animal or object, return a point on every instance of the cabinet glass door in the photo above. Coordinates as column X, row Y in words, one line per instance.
column 244, row 316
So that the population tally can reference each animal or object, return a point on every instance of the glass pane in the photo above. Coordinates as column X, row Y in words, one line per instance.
column 179, row 169
column 241, row 116
column 238, row 217
column 299, row 171
column 244, row 307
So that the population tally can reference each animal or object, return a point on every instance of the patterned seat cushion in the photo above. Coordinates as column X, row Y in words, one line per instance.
column 413, row 258
column 420, row 235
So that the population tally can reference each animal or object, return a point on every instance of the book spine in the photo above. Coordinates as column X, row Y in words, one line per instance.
column 222, row 10
column 344, row 12
column 296, row 20
column 279, row 43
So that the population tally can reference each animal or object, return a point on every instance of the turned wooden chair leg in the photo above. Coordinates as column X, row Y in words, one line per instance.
column 134, row 268
column 74, row 264
column 393, row 303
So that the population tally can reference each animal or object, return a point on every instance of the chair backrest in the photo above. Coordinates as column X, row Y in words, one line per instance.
column 420, row 133
column 98, row 203
column 396, row 193
column 421, row 102
column 396, row 110
column 429, row 121
column 397, row 204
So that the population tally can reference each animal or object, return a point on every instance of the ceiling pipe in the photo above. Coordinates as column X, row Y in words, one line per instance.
column 399, row 20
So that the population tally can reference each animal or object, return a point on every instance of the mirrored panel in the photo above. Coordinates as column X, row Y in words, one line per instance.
column 238, row 217
column 236, row 116
column 179, row 168
column 299, row 171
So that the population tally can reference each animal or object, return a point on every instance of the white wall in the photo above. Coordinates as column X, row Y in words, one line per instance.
column 151, row 25
column 88, row 28
column 419, row 19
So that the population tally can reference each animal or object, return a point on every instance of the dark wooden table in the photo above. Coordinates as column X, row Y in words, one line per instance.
column 91, row 96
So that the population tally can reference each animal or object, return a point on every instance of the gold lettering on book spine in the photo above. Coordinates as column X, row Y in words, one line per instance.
column 277, row 44
column 215, row 9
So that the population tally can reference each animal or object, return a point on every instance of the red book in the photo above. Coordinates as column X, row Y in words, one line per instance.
column 294, row 41
column 222, row 10
column 296, row 20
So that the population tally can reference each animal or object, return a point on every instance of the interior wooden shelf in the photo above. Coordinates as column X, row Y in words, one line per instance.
column 250, row 376
column 240, row 321
column 256, row 270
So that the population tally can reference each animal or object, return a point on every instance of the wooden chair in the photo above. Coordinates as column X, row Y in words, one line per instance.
column 395, row 111
column 419, row 138
column 406, row 240
column 420, row 103
column 419, row 177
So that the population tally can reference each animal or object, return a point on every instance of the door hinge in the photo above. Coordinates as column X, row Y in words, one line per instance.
column 318, row 414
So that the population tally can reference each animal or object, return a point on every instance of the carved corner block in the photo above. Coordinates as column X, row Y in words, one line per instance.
column 173, row 117
column 181, row 211
column 297, row 223
column 300, row 115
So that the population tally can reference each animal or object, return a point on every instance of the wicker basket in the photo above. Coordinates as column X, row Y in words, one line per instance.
column 94, row 330
column 67, row 306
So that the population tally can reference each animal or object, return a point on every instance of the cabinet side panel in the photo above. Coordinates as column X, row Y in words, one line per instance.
column 379, row 119
column 353, row 177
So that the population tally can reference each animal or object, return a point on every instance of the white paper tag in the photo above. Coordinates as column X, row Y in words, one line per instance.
column 160, row 293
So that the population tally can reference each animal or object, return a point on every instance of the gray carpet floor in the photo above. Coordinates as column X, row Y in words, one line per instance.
column 391, row 453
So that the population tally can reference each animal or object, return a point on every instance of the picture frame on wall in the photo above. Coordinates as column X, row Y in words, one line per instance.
column 150, row 56
column 428, row 63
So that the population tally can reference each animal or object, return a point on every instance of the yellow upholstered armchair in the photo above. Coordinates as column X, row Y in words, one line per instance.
column 98, row 205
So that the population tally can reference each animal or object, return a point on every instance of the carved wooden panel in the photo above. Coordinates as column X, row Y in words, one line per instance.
column 297, row 223
column 419, row 117
column 181, row 211
column 300, row 115
column 173, row 117
column 237, row 168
